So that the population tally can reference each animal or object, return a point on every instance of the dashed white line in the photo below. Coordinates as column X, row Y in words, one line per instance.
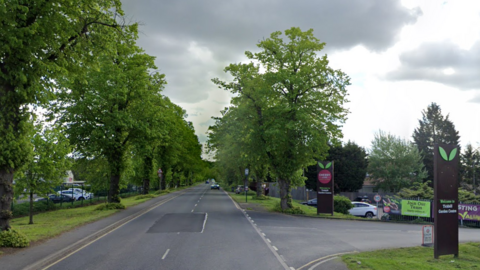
column 292, row 268
column 165, row 255
column 274, row 247
column 269, row 240
column 264, row 234
column 192, row 210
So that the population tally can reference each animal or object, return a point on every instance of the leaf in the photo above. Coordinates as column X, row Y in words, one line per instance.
column 452, row 154
column 321, row 165
column 328, row 165
column 443, row 153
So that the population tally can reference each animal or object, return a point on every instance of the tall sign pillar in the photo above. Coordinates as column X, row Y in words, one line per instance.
column 445, row 167
column 325, row 187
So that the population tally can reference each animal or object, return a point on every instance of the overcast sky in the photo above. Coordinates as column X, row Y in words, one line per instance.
column 400, row 55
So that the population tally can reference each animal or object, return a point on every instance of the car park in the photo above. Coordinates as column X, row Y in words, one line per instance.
column 362, row 209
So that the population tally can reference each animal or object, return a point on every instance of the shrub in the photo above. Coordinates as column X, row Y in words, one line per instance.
column 293, row 211
column 146, row 196
column 262, row 197
column 110, row 206
column 23, row 209
column 13, row 238
column 160, row 192
column 341, row 204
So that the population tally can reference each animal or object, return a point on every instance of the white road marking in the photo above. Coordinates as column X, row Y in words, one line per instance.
column 204, row 221
column 264, row 234
column 283, row 258
column 313, row 267
column 165, row 255
column 269, row 240
column 274, row 247
column 192, row 210
column 292, row 268
column 195, row 205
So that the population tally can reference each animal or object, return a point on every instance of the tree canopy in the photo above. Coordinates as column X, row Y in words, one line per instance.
column 394, row 163
column 287, row 113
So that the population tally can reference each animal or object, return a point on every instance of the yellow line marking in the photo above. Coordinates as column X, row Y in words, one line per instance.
column 326, row 257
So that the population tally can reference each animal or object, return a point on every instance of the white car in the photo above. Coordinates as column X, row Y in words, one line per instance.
column 361, row 209
column 77, row 193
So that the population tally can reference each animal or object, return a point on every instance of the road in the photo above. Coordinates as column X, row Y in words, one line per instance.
column 203, row 229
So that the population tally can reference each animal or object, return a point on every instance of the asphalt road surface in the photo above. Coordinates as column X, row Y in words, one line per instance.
column 203, row 229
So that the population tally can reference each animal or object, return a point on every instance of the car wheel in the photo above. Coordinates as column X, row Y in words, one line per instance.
column 369, row 215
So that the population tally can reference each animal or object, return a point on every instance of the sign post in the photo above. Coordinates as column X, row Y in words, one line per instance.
column 377, row 198
column 427, row 235
column 446, row 160
column 246, row 184
column 325, row 187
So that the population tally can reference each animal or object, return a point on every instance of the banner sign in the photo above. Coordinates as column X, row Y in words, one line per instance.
column 469, row 212
column 325, row 187
column 445, row 176
column 415, row 208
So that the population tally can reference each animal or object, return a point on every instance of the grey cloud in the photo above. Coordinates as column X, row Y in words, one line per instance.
column 476, row 99
column 228, row 28
column 429, row 61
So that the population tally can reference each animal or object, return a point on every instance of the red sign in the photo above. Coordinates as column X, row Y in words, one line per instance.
column 324, row 176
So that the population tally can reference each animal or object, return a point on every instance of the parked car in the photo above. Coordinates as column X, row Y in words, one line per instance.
column 312, row 202
column 206, row 182
column 361, row 209
column 76, row 193
column 57, row 198
column 215, row 186
column 364, row 199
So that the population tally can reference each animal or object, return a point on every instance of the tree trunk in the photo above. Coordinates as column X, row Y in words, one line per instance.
column 285, row 196
column 6, row 198
column 147, row 167
column 114, row 194
column 31, row 207
column 146, row 186
column 259, row 188
column 163, row 185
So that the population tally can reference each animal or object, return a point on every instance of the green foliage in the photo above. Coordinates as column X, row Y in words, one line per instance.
column 110, row 206
column 394, row 163
column 433, row 128
column 466, row 196
column 146, row 196
column 341, row 204
column 13, row 238
column 161, row 192
column 294, row 210
column 418, row 190
column 261, row 197
column 282, row 118
column 470, row 169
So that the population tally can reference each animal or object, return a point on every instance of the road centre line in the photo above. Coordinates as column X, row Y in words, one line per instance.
column 282, row 262
column 106, row 231
column 274, row 247
column 269, row 240
column 165, row 255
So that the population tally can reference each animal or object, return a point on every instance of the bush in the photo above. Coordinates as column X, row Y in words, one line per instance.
column 262, row 197
column 110, row 206
column 293, row 211
column 146, row 196
column 23, row 209
column 161, row 192
column 341, row 204
column 13, row 238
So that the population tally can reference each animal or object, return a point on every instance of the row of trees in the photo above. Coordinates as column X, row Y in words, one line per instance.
column 288, row 105
column 79, row 61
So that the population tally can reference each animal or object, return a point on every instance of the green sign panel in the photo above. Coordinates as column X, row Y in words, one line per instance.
column 415, row 208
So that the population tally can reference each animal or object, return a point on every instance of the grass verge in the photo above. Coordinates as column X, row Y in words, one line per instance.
column 419, row 258
column 50, row 224
column 272, row 203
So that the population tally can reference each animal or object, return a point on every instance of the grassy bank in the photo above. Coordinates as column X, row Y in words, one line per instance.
column 271, row 204
column 419, row 258
column 53, row 223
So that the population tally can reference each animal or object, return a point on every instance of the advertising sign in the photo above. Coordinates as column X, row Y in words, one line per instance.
column 325, row 187
column 445, row 176
column 427, row 235
column 469, row 212
column 415, row 208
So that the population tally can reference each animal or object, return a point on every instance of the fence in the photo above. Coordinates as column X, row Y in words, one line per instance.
column 413, row 210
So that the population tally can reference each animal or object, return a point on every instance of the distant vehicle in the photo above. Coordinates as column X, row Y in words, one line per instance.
column 77, row 194
column 361, row 209
column 215, row 186
column 240, row 189
column 57, row 198
column 312, row 202
column 206, row 182
column 364, row 199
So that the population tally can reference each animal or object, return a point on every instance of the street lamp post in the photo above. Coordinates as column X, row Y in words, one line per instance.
column 246, row 184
